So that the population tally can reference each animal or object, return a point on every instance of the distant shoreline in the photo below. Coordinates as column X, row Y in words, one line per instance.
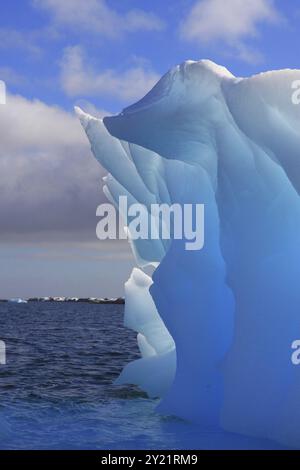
column 88, row 300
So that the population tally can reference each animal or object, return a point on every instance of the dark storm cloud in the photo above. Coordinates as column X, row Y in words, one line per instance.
column 49, row 182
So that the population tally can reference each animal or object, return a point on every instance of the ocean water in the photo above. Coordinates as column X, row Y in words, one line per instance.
column 57, row 391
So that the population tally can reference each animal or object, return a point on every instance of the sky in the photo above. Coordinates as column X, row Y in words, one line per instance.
column 102, row 55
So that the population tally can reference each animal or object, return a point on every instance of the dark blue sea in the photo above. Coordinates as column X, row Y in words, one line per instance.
column 57, row 389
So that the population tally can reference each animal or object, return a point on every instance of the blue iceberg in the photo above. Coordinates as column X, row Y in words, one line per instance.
column 215, row 327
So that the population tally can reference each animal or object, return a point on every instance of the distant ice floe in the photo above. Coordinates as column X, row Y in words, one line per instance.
column 18, row 301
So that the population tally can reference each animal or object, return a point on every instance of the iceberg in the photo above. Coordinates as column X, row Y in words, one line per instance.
column 215, row 327
column 18, row 301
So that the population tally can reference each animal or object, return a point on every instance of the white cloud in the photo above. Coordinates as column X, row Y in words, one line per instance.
column 78, row 78
column 49, row 180
column 96, row 17
column 50, row 186
column 9, row 76
column 26, row 41
column 229, row 23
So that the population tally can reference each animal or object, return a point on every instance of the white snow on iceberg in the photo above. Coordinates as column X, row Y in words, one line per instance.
column 215, row 326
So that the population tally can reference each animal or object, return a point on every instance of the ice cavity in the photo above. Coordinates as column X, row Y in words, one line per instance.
column 203, row 136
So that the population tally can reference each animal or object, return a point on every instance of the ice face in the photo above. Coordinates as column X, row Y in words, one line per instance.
column 215, row 326
column 155, row 371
